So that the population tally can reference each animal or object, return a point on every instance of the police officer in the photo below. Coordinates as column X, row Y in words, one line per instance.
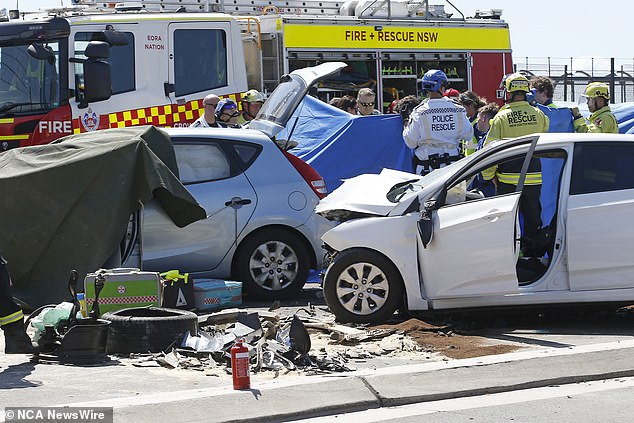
column 436, row 127
column 514, row 119
column 601, row 120
column 16, row 341
column 252, row 102
column 227, row 113
column 208, row 118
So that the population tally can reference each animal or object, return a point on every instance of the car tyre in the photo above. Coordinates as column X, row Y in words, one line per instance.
column 362, row 286
column 147, row 329
column 272, row 264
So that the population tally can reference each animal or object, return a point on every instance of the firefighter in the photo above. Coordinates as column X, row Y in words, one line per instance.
column 597, row 95
column 252, row 102
column 16, row 341
column 436, row 127
column 514, row 119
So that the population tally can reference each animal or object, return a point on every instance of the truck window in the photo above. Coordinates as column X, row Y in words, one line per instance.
column 28, row 85
column 121, row 61
column 200, row 60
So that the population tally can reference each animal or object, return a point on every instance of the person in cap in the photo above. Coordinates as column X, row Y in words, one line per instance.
column 517, row 118
column 436, row 127
column 252, row 102
column 366, row 99
column 602, row 120
column 208, row 118
column 227, row 113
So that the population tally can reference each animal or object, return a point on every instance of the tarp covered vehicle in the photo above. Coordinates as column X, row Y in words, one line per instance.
column 430, row 243
column 66, row 206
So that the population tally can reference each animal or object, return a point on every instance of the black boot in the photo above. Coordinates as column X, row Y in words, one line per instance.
column 16, row 341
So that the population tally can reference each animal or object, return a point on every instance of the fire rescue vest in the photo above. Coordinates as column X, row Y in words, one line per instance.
column 514, row 120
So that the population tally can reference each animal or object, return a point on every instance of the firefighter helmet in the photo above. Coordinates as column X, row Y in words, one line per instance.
column 434, row 80
column 253, row 96
column 597, row 89
column 516, row 82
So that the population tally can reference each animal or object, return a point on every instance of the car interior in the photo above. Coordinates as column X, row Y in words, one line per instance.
column 536, row 252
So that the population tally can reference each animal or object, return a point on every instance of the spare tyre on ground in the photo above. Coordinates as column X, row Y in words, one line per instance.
column 147, row 329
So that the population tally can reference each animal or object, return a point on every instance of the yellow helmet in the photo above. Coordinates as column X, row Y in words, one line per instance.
column 516, row 82
column 253, row 96
column 597, row 89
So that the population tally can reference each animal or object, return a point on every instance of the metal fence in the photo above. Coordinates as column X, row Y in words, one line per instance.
column 570, row 75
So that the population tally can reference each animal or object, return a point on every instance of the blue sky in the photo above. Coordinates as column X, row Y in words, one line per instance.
column 539, row 28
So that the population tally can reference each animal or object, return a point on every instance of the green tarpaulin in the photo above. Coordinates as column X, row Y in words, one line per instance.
column 66, row 205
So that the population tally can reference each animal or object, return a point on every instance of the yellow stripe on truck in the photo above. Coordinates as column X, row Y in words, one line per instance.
column 394, row 37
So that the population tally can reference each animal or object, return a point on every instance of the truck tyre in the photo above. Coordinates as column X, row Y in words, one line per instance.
column 272, row 264
column 362, row 286
column 147, row 329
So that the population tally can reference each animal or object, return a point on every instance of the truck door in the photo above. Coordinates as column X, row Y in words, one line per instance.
column 203, row 60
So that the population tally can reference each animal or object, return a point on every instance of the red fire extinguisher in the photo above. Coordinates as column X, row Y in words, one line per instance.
column 240, row 366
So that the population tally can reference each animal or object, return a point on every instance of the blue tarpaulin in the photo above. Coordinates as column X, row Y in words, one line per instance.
column 340, row 145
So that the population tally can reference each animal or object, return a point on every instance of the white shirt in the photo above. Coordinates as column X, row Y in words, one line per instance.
column 201, row 122
column 437, row 126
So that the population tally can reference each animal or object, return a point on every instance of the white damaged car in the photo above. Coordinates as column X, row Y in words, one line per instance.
column 432, row 243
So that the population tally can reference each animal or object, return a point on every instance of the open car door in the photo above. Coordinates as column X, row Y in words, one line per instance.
column 470, row 248
column 474, row 250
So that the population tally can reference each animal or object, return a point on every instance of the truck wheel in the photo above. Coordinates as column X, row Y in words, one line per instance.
column 147, row 329
column 272, row 264
column 362, row 286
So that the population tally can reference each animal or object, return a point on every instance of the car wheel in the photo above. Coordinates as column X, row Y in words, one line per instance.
column 362, row 286
column 273, row 264
column 147, row 329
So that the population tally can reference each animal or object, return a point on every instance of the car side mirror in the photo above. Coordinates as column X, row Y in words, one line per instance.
column 425, row 227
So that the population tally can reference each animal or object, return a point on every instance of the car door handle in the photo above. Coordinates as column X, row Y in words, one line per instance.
column 237, row 201
column 493, row 215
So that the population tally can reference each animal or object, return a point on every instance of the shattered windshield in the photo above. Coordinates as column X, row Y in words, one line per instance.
column 28, row 85
column 404, row 190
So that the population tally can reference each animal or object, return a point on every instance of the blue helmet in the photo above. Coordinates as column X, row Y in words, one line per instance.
column 434, row 80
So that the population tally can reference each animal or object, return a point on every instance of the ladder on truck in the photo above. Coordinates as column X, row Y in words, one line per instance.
column 420, row 9
column 234, row 7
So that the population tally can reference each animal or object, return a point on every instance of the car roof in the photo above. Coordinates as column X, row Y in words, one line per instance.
column 570, row 137
column 239, row 134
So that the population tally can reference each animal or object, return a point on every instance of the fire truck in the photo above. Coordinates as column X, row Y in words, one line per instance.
column 106, row 65
column 388, row 45
column 80, row 70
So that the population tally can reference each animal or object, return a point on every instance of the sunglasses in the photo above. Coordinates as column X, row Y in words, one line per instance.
column 366, row 104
